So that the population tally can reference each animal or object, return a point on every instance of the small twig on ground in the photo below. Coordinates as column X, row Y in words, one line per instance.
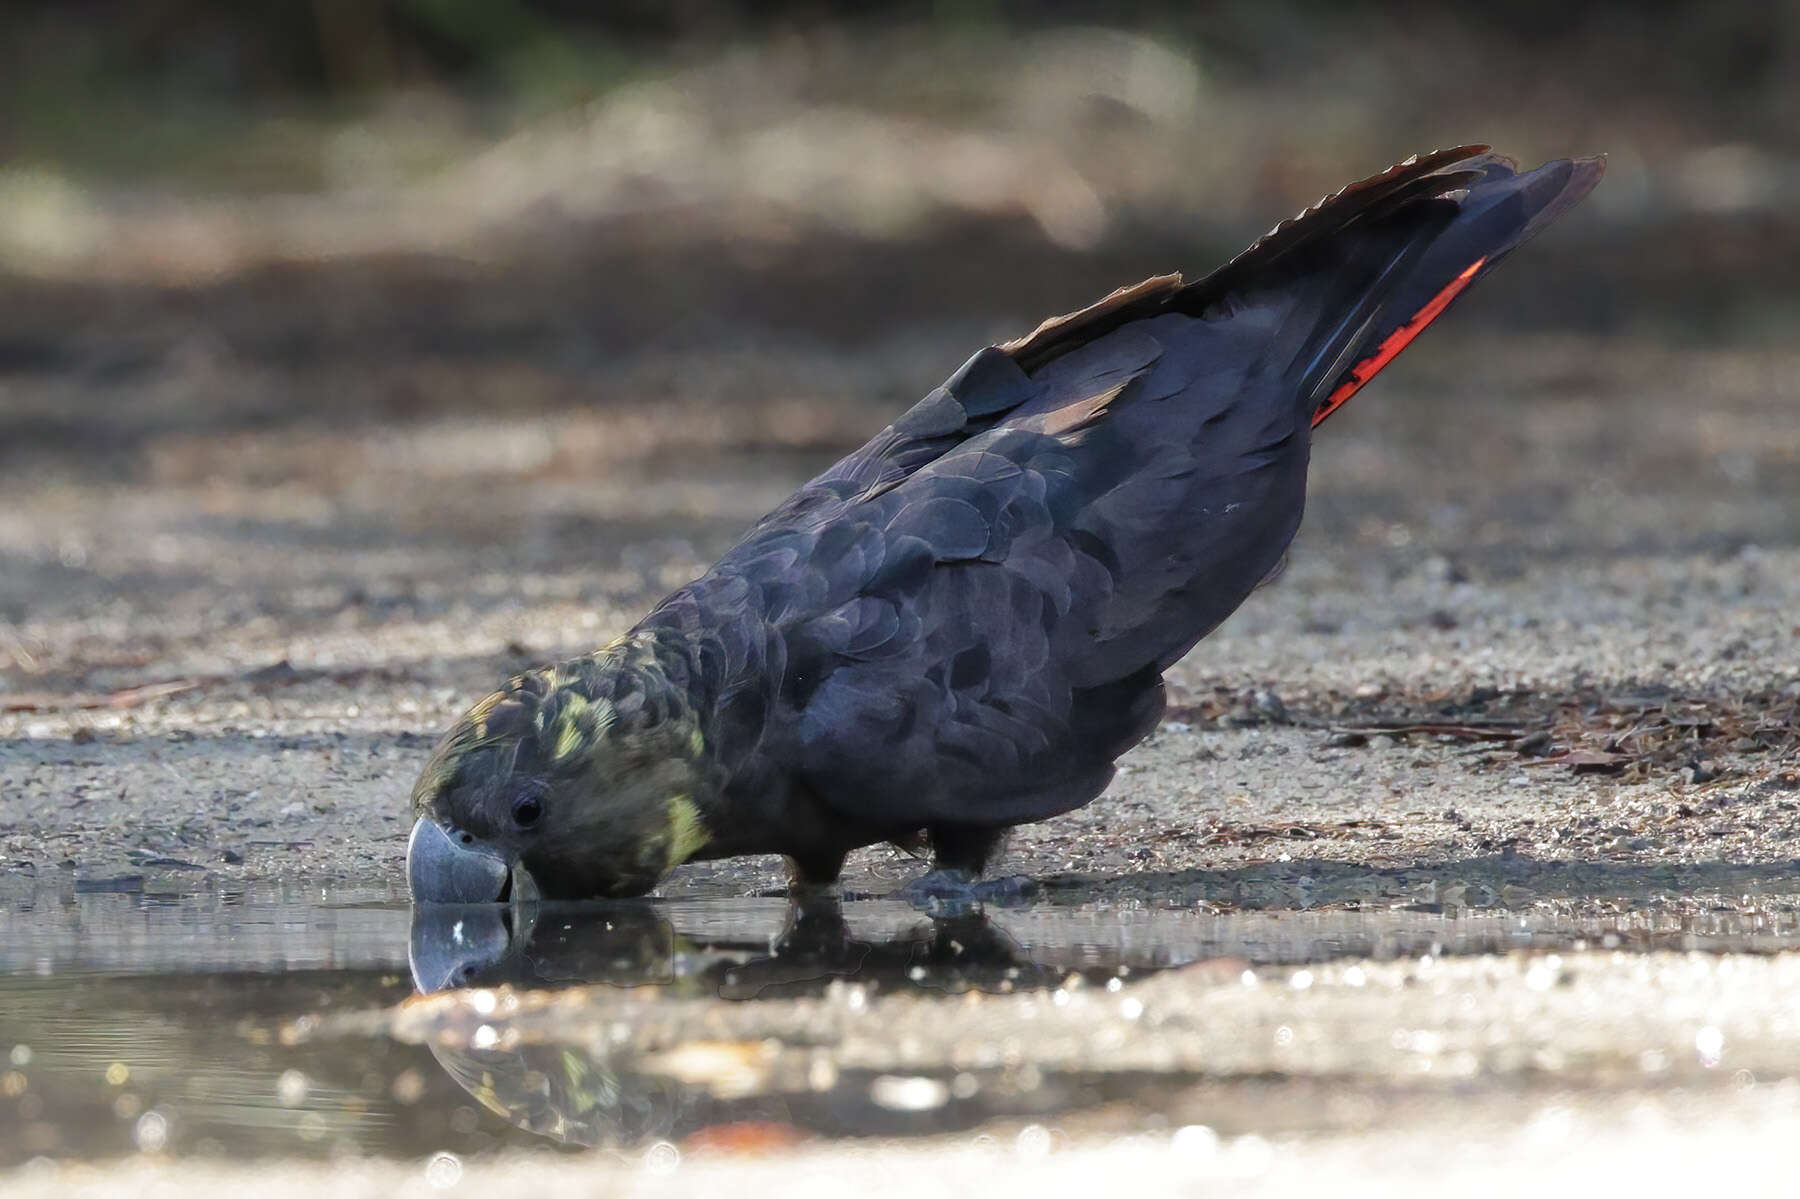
column 87, row 701
column 1462, row 730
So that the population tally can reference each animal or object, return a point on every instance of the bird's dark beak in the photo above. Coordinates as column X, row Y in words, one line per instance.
column 444, row 866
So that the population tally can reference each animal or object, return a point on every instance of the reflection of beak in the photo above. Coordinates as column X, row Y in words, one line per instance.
column 451, row 946
column 449, row 867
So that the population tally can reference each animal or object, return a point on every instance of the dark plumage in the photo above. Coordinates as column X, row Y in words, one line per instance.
column 961, row 625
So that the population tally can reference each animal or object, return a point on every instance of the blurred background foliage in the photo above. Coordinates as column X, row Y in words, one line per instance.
column 132, row 87
column 211, row 190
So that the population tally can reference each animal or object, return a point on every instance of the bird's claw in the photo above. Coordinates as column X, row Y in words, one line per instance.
column 954, row 892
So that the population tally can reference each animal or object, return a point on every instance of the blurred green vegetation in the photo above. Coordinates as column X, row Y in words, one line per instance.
column 869, row 161
column 167, row 88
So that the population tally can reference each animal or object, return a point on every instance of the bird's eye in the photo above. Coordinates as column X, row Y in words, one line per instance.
column 526, row 810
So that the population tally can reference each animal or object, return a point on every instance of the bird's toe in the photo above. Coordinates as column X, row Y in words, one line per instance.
column 949, row 892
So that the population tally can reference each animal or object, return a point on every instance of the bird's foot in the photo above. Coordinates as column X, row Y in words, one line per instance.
column 951, row 892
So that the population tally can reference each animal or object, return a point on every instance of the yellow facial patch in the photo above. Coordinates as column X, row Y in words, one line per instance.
column 579, row 723
column 687, row 831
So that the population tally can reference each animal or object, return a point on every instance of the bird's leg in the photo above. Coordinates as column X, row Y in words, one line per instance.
column 963, row 848
column 814, row 871
column 959, row 854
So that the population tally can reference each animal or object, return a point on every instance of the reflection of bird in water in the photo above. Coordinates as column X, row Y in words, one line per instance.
column 631, row 944
column 461, row 946
column 565, row 1094
column 950, row 953
column 588, row 1092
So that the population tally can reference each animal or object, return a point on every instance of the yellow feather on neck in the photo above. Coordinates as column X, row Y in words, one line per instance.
column 578, row 724
column 688, row 834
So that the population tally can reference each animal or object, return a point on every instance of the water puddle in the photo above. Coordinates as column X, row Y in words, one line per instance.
column 289, row 1021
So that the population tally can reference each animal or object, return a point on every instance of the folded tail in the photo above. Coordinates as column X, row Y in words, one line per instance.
column 1350, row 282
column 1413, row 258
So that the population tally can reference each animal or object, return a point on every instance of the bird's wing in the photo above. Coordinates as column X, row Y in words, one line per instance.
column 982, row 392
column 936, row 688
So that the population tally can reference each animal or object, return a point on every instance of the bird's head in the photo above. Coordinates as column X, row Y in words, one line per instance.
column 592, row 775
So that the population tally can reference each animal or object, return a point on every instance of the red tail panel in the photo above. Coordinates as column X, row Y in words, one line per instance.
column 1393, row 343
